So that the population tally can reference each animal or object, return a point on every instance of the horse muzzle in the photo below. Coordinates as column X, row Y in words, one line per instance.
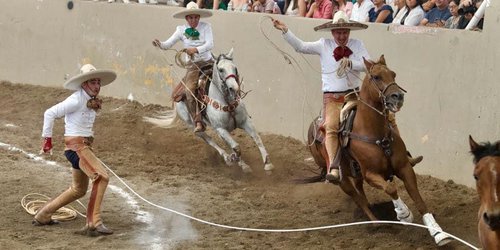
column 492, row 220
column 394, row 101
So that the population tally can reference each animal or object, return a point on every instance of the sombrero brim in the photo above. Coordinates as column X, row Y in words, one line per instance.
column 183, row 13
column 106, row 76
column 351, row 25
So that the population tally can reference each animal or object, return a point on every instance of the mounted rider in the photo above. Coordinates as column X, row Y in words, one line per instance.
column 341, row 61
column 198, row 42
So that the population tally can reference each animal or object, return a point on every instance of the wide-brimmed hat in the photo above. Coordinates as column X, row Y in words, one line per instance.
column 341, row 21
column 192, row 9
column 87, row 72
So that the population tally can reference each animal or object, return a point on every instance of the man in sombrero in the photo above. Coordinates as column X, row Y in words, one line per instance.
column 79, row 111
column 336, row 55
column 198, row 42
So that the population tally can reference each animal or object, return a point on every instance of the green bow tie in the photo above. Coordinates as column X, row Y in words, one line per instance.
column 192, row 33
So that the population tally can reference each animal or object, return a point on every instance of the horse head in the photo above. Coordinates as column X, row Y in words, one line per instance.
column 487, row 175
column 226, row 77
column 382, row 87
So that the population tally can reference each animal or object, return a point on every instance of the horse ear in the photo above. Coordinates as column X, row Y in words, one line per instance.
column 473, row 144
column 230, row 54
column 382, row 60
column 368, row 64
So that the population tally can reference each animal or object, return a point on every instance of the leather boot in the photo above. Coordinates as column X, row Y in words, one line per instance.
column 333, row 175
column 414, row 161
column 94, row 231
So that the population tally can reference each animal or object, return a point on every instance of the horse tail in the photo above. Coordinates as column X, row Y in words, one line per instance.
column 165, row 119
column 315, row 145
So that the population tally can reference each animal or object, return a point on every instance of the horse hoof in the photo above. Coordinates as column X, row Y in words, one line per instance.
column 268, row 167
column 408, row 218
column 442, row 239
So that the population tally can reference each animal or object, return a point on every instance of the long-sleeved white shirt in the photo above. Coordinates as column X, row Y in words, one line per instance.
column 359, row 12
column 78, row 119
column 204, row 44
column 324, row 48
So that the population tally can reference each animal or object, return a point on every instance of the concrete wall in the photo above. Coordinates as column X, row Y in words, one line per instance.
column 449, row 74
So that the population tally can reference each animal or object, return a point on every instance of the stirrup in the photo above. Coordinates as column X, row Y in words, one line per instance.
column 415, row 161
column 199, row 127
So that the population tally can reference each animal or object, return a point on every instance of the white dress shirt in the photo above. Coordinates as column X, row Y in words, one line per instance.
column 360, row 12
column 414, row 17
column 78, row 119
column 324, row 48
column 204, row 44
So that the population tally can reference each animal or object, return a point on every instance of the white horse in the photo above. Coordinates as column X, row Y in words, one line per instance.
column 225, row 112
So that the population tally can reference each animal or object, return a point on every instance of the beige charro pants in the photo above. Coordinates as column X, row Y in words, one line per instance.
column 332, row 105
column 91, row 168
column 191, row 83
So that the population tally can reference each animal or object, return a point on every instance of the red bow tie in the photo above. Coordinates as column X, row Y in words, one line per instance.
column 340, row 52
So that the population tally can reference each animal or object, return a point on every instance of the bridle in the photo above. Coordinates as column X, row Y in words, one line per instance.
column 231, row 104
column 381, row 90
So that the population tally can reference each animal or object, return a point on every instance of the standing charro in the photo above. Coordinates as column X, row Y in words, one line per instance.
column 336, row 55
column 79, row 111
column 198, row 42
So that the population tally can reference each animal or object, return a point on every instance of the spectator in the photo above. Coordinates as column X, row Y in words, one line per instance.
column 411, row 15
column 346, row 7
column 292, row 7
column 321, row 9
column 428, row 5
column 398, row 6
column 438, row 15
column 380, row 13
column 467, row 14
column 212, row 4
column 360, row 10
column 265, row 6
column 150, row 1
column 238, row 5
column 452, row 22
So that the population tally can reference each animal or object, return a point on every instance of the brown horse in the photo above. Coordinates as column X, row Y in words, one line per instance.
column 487, row 175
column 376, row 148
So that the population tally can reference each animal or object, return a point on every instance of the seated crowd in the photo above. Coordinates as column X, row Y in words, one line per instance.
column 451, row 14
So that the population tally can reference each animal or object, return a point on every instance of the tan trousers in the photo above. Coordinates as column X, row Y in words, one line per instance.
column 91, row 168
column 332, row 105
column 191, row 81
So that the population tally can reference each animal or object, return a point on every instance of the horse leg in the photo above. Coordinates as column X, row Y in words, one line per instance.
column 235, row 147
column 402, row 212
column 354, row 188
column 212, row 143
column 250, row 129
column 407, row 175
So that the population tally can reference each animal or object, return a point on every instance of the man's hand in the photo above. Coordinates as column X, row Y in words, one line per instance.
column 191, row 51
column 280, row 25
column 46, row 146
column 157, row 43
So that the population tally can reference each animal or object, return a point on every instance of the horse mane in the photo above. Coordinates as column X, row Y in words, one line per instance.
column 486, row 149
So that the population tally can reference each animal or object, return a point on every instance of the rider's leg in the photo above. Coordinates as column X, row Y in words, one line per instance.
column 191, row 82
column 413, row 161
column 331, row 117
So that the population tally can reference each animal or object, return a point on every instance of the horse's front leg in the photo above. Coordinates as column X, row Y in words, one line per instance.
column 211, row 142
column 407, row 175
column 235, row 147
column 402, row 212
column 250, row 129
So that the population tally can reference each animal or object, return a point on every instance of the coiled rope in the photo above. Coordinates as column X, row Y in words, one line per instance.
column 34, row 201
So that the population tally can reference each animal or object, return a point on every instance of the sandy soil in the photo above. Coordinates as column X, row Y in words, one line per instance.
column 172, row 168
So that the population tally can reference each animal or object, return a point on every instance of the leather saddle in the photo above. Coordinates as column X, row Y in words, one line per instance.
column 179, row 92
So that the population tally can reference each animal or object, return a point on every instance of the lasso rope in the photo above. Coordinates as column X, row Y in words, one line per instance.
column 34, row 201
column 264, row 230
column 280, row 230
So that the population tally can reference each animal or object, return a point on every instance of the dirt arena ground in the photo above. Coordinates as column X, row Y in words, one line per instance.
column 172, row 168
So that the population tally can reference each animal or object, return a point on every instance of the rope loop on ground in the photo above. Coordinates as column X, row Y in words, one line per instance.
column 34, row 201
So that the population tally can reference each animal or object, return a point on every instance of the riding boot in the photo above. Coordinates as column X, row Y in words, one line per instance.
column 414, row 161
column 333, row 175
column 332, row 117
column 94, row 169
column 76, row 191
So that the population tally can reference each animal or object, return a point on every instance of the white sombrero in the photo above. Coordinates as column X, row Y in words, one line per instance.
column 192, row 9
column 87, row 72
column 341, row 21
